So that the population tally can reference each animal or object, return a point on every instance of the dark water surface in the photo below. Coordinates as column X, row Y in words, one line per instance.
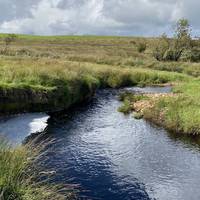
column 115, row 157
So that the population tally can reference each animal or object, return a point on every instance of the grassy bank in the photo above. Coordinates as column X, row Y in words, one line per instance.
column 178, row 111
column 56, row 84
column 52, row 73
column 16, row 177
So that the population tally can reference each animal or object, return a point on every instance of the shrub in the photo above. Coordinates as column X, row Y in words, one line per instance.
column 141, row 46
column 172, row 54
column 195, row 54
column 160, row 47
column 192, row 55
column 17, row 175
column 172, row 49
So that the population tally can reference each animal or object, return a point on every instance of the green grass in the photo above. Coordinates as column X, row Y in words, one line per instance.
column 59, row 83
column 180, row 113
column 16, row 181
column 47, row 73
column 128, row 99
column 66, row 69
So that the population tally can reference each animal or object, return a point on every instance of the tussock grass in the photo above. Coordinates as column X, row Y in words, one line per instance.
column 51, row 73
column 17, row 175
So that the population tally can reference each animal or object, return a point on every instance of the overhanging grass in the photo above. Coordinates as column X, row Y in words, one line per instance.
column 16, row 177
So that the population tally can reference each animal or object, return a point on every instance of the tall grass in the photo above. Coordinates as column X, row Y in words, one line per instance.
column 12, row 165
column 57, row 84
column 52, row 72
column 17, row 175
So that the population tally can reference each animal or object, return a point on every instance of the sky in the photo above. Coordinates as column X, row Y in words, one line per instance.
column 97, row 17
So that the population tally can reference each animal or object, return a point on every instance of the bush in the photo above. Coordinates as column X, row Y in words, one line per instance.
column 195, row 55
column 172, row 55
column 141, row 46
column 192, row 55
column 172, row 49
column 160, row 47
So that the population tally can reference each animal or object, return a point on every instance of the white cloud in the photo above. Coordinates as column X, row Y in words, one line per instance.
column 108, row 17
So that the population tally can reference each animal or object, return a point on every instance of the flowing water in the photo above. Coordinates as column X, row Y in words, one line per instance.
column 115, row 157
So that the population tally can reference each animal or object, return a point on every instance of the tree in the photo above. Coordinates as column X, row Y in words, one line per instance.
column 183, row 34
column 182, row 28
column 172, row 49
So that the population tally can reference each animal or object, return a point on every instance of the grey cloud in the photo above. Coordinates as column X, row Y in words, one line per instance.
column 11, row 9
column 102, row 17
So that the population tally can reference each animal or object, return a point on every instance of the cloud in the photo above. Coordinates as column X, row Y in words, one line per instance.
column 102, row 17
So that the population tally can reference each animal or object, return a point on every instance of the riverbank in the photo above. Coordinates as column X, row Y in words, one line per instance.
column 33, row 85
column 177, row 111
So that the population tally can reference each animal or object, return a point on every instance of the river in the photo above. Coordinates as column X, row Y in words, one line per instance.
column 110, row 155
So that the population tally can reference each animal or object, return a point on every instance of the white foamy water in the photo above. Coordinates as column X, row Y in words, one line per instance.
column 16, row 128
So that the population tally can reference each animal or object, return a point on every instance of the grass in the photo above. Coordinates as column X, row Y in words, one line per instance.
column 128, row 99
column 180, row 113
column 45, row 73
column 59, row 83
column 16, row 182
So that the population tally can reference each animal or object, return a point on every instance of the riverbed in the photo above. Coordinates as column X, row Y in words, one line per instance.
column 112, row 156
